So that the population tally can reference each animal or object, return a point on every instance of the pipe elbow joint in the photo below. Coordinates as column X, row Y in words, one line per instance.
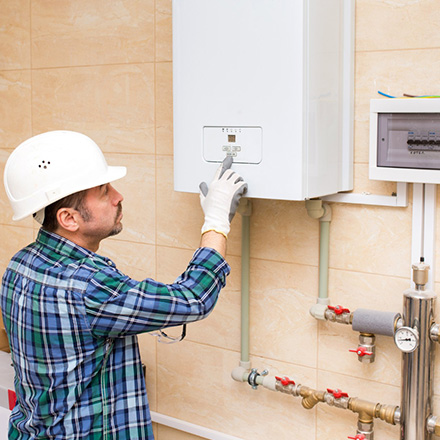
column 319, row 210
column 240, row 374
column 315, row 208
column 318, row 310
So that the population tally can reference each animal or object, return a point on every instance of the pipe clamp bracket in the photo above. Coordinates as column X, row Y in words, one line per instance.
column 252, row 378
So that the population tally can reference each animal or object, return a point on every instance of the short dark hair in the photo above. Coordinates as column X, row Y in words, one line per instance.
column 75, row 201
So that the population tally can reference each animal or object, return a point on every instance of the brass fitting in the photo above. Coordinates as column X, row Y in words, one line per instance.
column 433, row 424
column 368, row 411
column 387, row 413
column 311, row 397
column 365, row 409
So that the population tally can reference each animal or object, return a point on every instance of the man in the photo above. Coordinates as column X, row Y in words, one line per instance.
column 71, row 316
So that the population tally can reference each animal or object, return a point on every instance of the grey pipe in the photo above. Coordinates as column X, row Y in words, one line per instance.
column 375, row 322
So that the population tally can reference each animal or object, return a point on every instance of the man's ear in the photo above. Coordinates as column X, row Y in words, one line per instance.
column 68, row 219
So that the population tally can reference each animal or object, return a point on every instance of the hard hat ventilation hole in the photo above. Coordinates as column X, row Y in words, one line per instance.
column 44, row 164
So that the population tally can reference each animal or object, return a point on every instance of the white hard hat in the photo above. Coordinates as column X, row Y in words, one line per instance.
column 53, row 165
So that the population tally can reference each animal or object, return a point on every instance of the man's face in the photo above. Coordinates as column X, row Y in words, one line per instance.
column 102, row 215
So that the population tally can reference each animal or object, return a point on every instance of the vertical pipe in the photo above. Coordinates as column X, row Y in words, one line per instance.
column 245, row 268
column 417, row 367
column 429, row 229
column 417, row 222
column 322, row 211
column 323, row 258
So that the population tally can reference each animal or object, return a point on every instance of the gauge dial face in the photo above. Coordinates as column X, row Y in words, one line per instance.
column 406, row 339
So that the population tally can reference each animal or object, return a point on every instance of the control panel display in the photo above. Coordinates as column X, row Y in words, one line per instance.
column 243, row 144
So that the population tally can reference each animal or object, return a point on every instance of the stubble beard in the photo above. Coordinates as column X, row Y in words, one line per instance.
column 118, row 225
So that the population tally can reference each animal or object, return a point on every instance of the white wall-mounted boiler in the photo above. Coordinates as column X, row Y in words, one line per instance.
column 270, row 83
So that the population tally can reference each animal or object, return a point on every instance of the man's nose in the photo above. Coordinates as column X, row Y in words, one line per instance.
column 116, row 196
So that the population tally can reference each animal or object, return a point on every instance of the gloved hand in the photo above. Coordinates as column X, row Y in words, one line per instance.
column 220, row 201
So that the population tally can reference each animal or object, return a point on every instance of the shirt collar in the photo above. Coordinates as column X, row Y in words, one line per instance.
column 62, row 245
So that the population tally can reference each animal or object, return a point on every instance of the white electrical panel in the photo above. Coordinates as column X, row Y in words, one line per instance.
column 270, row 83
column 405, row 140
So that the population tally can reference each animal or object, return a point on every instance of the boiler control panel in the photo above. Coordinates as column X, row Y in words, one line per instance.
column 405, row 140
column 243, row 144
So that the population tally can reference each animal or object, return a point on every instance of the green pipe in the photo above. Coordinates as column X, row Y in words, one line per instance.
column 323, row 258
column 322, row 212
column 245, row 263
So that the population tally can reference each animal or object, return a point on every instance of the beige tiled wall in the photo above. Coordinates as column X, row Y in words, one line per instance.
column 105, row 68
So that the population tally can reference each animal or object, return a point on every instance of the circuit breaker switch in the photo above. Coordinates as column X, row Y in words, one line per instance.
column 423, row 142
column 411, row 138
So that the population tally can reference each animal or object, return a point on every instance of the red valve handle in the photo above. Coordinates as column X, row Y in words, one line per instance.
column 285, row 380
column 361, row 351
column 358, row 437
column 339, row 310
column 337, row 394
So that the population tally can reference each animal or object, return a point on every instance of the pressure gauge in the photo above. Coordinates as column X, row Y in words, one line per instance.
column 406, row 339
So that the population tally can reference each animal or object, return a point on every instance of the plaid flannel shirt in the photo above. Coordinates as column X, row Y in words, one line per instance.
column 72, row 319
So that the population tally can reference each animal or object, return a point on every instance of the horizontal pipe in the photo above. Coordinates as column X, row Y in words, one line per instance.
column 375, row 322
column 191, row 428
column 366, row 410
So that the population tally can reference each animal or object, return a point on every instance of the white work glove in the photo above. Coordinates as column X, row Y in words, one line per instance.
column 220, row 201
